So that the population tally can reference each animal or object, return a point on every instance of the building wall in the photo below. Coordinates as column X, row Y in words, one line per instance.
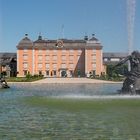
column 59, row 59
column 8, row 64
column 94, row 61
column 41, row 60
column 24, row 57
column 74, row 58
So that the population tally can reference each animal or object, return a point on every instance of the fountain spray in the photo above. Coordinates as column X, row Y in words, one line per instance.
column 131, row 5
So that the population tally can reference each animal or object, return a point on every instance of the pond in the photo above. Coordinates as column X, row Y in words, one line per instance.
column 68, row 111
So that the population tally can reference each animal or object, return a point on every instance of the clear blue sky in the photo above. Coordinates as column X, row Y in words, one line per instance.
column 105, row 18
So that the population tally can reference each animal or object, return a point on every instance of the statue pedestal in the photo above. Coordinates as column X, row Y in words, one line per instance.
column 137, row 86
column 131, row 86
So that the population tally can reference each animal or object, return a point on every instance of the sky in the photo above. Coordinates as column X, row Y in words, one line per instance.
column 71, row 19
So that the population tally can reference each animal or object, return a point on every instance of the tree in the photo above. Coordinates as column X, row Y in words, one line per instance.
column 117, row 71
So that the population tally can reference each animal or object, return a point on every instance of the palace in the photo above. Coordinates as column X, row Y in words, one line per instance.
column 59, row 58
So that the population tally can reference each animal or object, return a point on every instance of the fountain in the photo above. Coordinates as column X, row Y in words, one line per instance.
column 132, row 82
column 131, row 6
column 72, row 111
column 51, row 111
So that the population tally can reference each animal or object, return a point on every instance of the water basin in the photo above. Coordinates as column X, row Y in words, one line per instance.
column 68, row 111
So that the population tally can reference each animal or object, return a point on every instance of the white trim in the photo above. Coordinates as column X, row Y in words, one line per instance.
column 60, row 73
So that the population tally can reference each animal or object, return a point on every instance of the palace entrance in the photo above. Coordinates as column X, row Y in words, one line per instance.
column 63, row 72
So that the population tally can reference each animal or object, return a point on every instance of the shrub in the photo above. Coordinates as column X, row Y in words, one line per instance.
column 28, row 76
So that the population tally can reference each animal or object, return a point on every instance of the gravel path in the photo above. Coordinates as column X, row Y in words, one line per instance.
column 72, row 80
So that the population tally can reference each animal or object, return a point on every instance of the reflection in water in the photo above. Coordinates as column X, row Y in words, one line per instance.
column 29, row 112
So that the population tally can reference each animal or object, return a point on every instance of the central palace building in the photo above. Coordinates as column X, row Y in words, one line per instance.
column 59, row 58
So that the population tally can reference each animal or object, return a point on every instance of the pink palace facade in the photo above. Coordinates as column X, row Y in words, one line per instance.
column 59, row 58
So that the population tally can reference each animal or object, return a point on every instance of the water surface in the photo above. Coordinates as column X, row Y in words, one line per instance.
column 68, row 111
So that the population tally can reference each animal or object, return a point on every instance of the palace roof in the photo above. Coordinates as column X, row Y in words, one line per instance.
column 25, row 42
column 67, row 43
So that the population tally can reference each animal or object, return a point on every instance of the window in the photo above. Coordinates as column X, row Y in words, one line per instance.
column 25, row 72
column 63, row 57
column 105, row 59
column 55, row 51
column 40, row 57
column 63, row 50
column 63, row 65
column 71, row 73
column 47, row 65
column 47, row 73
column 40, row 51
column 54, row 72
column 25, row 65
column 47, row 51
column 71, row 57
column 39, row 65
column 115, row 59
column 94, row 66
column 71, row 51
column 55, row 66
column 54, row 57
column 25, row 50
column 93, row 56
column 25, row 57
column 79, row 51
column 93, row 72
column 94, row 51
column 71, row 65
column 40, row 72
column 47, row 57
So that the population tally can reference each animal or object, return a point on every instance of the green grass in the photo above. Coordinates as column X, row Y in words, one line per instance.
column 22, row 79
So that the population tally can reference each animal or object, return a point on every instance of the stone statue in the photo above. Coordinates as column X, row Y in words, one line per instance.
column 3, row 83
column 131, row 84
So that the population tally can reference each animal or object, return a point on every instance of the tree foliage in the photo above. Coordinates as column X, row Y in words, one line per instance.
column 116, row 72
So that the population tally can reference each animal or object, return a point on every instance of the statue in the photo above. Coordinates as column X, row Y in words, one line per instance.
column 3, row 83
column 131, row 84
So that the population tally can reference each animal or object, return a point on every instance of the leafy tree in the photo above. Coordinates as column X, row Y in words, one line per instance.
column 115, row 72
